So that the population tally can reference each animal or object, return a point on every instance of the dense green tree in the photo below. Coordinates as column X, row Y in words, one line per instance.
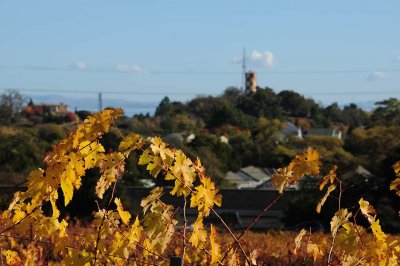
column 387, row 112
column 262, row 103
column 294, row 104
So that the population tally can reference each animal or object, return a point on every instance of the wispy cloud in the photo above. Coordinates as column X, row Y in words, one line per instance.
column 376, row 75
column 81, row 65
column 258, row 59
column 129, row 68
column 397, row 60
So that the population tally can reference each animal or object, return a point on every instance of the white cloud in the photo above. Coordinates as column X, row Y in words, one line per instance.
column 81, row 65
column 397, row 60
column 129, row 68
column 376, row 75
column 258, row 59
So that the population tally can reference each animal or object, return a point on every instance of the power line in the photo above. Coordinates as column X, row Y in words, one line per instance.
column 104, row 92
column 176, row 93
column 195, row 72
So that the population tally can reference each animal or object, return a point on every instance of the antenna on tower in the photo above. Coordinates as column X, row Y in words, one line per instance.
column 244, row 70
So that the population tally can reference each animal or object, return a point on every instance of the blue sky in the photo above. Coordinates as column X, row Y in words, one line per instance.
column 344, row 51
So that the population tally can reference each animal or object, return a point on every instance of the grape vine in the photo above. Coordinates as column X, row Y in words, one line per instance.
column 116, row 237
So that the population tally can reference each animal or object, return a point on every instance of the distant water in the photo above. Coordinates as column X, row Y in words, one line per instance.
column 91, row 104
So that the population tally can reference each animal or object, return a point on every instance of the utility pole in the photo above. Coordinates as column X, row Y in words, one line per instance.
column 244, row 70
column 100, row 102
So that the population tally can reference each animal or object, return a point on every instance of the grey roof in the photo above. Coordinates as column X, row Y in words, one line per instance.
column 255, row 172
column 321, row 131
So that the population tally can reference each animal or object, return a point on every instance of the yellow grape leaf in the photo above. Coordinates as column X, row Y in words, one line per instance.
column 125, row 215
column 183, row 173
column 341, row 217
column 323, row 199
column 215, row 247
column 155, row 194
column 315, row 250
column 396, row 168
column 95, row 125
column 71, row 175
column 160, row 148
column 395, row 185
column 119, row 246
column 67, row 188
column 78, row 257
column 135, row 233
column 367, row 210
column 145, row 158
column 205, row 196
column 282, row 179
column 75, row 160
column 348, row 237
column 154, row 167
column 330, row 177
column 12, row 257
column 131, row 142
column 53, row 199
column 298, row 239
column 377, row 231
column 199, row 168
column 199, row 234
column 92, row 152
column 36, row 180
column 111, row 167
column 306, row 163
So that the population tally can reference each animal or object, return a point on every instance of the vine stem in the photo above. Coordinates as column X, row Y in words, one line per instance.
column 261, row 213
column 102, row 221
column 26, row 216
column 341, row 190
column 219, row 217
column 184, row 229
column 140, row 246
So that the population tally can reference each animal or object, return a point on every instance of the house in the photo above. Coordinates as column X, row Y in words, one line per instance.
column 291, row 129
column 252, row 177
column 324, row 132
column 42, row 109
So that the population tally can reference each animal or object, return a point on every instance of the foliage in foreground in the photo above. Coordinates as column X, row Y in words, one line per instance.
column 115, row 237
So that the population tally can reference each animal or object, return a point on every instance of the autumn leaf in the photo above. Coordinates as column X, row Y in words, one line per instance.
column 377, row 231
column 323, row 199
column 135, row 232
column 367, row 210
column 341, row 217
column 306, row 163
column 125, row 215
column 12, row 257
column 131, row 142
column 199, row 234
column 67, row 188
column 281, row 180
column 396, row 168
column 92, row 152
column 215, row 247
column 330, row 177
column 205, row 196
column 298, row 239
column 158, row 147
column 315, row 250
column 155, row 194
